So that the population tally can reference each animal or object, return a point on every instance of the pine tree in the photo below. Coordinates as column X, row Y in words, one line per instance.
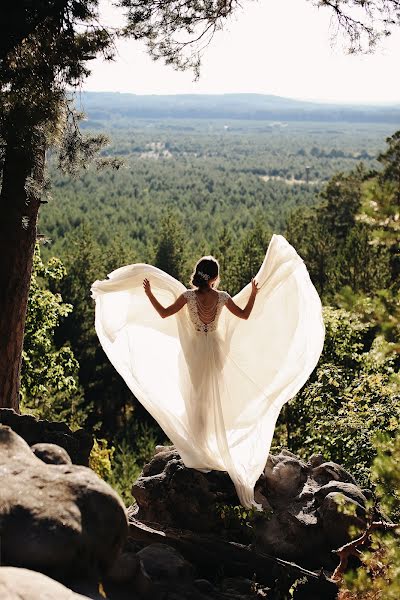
column 172, row 248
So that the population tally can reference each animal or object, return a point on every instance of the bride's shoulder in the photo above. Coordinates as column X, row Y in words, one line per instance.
column 188, row 293
column 223, row 295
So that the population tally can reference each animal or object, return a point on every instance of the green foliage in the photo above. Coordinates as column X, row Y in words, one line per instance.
column 172, row 248
column 238, row 522
column 235, row 517
column 134, row 447
column 390, row 160
column 125, row 470
column 101, row 457
column 105, row 392
column 247, row 257
column 45, row 55
column 335, row 244
column 386, row 474
column 121, row 462
column 378, row 578
column 382, row 311
column 349, row 399
column 213, row 178
column 379, row 213
column 49, row 373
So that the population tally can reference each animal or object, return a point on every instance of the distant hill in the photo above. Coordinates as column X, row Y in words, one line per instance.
column 112, row 106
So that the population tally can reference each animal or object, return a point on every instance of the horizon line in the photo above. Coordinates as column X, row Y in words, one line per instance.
column 297, row 99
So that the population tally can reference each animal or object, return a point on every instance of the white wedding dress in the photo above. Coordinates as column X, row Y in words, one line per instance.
column 215, row 390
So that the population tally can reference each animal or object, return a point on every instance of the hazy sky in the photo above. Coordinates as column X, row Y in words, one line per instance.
column 280, row 47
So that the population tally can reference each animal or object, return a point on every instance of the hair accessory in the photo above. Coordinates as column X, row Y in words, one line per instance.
column 203, row 275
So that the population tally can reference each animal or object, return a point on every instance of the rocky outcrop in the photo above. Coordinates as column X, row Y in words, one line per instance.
column 60, row 519
column 188, row 537
column 22, row 584
column 77, row 444
column 301, row 521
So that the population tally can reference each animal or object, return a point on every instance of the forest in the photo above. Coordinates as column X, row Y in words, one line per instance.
column 223, row 172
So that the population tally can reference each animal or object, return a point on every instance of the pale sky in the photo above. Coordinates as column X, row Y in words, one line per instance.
column 280, row 47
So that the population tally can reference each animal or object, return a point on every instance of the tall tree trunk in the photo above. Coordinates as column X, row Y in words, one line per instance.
column 23, row 172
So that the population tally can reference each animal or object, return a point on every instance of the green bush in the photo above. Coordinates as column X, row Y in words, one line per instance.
column 49, row 373
column 351, row 397
column 378, row 578
column 101, row 457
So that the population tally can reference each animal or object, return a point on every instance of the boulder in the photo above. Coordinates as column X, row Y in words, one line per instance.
column 306, row 524
column 349, row 490
column 165, row 573
column 163, row 563
column 60, row 519
column 124, row 568
column 330, row 471
column 167, row 492
column 51, row 454
column 213, row 556
column 77, row 444
column 22, row 584
column 335, row 522
column 284, row 476
column 291, row 536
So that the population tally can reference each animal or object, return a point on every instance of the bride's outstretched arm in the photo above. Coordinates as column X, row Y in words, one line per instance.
column 163, row 311
column 244, row 313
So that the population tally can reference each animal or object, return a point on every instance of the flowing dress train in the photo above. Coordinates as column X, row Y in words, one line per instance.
column 217, row 389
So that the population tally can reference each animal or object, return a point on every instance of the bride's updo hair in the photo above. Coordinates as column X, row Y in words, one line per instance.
column 206, row 268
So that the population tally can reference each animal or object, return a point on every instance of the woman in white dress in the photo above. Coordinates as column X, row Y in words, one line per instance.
column 214, row 382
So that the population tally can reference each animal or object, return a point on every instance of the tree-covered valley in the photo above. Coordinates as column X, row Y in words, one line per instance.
column 213, row 173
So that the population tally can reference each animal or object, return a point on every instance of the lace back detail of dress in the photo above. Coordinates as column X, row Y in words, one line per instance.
column 211, row 316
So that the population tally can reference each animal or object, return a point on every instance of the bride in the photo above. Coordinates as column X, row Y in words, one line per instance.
column 217, row 371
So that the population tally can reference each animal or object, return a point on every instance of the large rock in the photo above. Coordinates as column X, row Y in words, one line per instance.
column 335, row 522
column 167, row 492
column 163, row 563
column 51, row 454
column 284, row 476
column 307, row 523
column 78, row 444
column 301, row 522
column 22, row 584
column 59, row 519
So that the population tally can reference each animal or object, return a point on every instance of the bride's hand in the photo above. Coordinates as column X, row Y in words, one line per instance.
column 254, row 288
column 147, row 287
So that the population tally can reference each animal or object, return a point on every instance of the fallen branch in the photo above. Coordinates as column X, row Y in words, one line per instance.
column 352, row 548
